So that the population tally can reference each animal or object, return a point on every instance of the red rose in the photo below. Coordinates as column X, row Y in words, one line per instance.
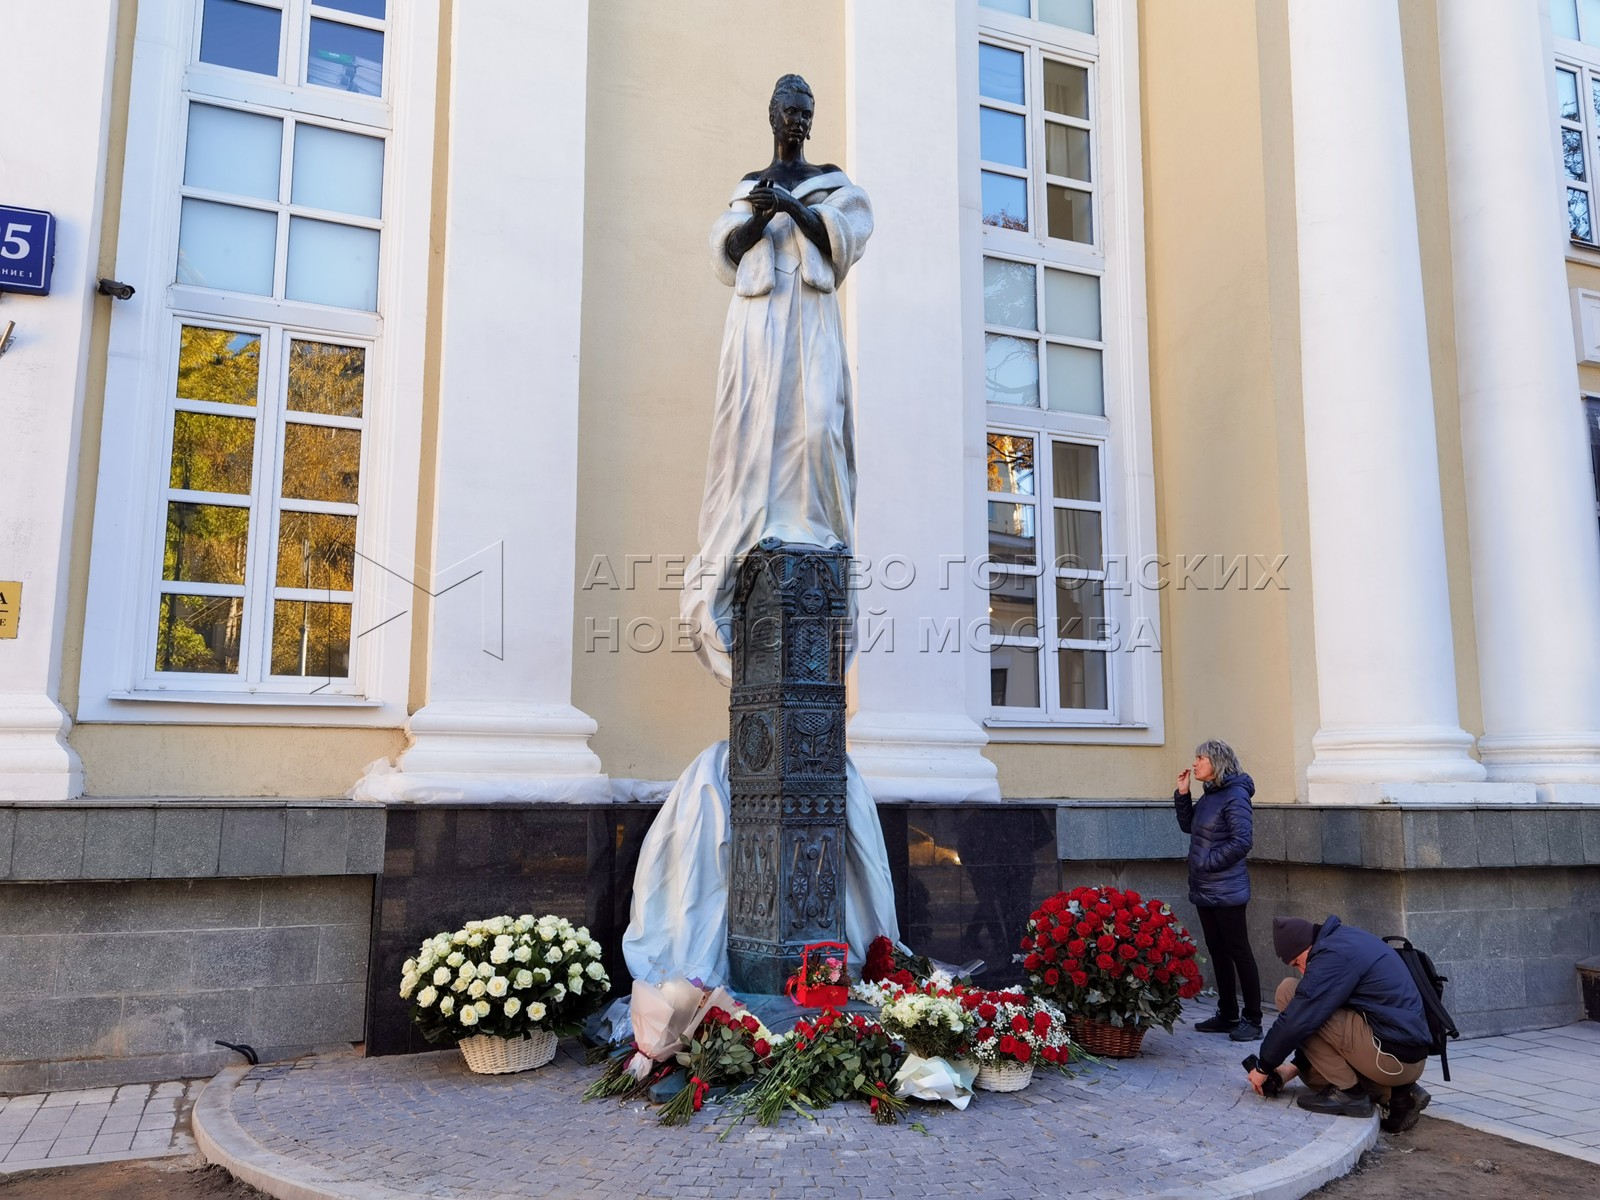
column 1079, row 979
column 1052, row 977
column 1118, row 900
column 1163, row 975
column 1076, row 947
column 1032, row 962
column 1027, row 943
column 1019, row 1024
column 1085, row 928
column 1104, row 909
column 1105, row 962
column 1141, row 971
column 1128, row 951
column 1144, row 941
column 1008, row 1044
column 1062, row 936
column 987, row 1011
column 1069, row 964
column 1133, row 897
column 1050, row 954
column 1106, row 941
column 1050, row 1054
column 762, row 1047
column 985, row 1034
column 750, row 1024
column 1054, row 904
column 1041, row 1023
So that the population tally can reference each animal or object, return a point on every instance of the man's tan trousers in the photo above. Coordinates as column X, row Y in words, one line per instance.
column 1344, row 1049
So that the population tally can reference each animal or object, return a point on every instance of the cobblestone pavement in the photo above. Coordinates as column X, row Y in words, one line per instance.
column 1542, row 1088
column 63, row 1129
column 1176, row 1122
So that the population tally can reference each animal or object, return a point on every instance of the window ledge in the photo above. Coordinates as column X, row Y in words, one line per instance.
column 1061, row 733
column 274, row 699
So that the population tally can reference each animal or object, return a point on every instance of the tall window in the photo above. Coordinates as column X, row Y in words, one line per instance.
column 1577, row 30
column 1591, row 408
column 274, row 312
column 1044, row 259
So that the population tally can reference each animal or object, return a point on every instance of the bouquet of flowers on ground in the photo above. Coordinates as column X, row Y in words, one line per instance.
column 835, row 1057
column 890, row 963
column 1111, row 956
column 726, row 1050
column 1015, row 1027
column 505, row 977
column 665, row 1017
column 932, row 1024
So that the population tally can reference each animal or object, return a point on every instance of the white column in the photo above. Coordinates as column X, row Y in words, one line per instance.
column 499, row 723
column 918, row 442
column 1385, row 662
column 1530, row 492
column 53, row 148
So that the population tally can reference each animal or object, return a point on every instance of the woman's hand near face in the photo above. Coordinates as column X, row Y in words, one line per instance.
column 1183, row 780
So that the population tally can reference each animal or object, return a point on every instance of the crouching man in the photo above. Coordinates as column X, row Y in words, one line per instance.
column 1354, row 1024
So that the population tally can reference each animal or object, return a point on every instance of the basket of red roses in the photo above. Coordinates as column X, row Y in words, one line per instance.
column 823, row 980
column 1117, row 964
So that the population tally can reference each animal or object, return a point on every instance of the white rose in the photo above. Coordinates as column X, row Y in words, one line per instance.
column 498, row 986
column 576, row 984
column 456, row 959
column 546, row 932
column 535, row 1011
column 583, row 933
column 504, row 939
column 499, row 955
column 442, row 976
column 477, row 989
column 513, row 1007
column 522, row 953
column 524, row 979
column 447, row 1005
column 575, row 969
column 426, row 997
column 558, row 993
column 541, row 975
column 522, row 924
column 553, row 954
column 469, row 1015
column 596, row 971
column 407, row 986
column 483, row 1008
column 409, row 967
column 592, row 949
column 460, row 985
column 466, row 970
column 475, row 940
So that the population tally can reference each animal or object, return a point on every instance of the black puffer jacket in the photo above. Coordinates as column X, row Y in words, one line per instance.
column 1221, row 830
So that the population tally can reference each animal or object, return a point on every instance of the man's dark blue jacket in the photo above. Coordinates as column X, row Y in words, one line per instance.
column 1351, row 968
column 1221, row 831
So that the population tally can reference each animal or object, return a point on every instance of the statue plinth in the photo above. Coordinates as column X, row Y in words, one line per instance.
column 786, row 760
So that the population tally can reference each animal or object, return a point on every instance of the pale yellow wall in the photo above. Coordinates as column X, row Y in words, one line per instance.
column 1585, row 275
column 677, row 113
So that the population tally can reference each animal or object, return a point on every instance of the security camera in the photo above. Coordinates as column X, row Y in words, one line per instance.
column 117, row 291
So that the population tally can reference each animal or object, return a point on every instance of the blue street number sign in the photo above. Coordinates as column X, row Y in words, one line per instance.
column 27, row 250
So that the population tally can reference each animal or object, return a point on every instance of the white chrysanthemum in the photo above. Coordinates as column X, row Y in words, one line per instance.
column 498, row 986
column 469, row 1015
column 513, row 1007
column 427, row 996
column 535, row 1011
column 477, row 989
column 456, row 959
column 442, row 976
column 522, row 953
column 553, row 954
column 483, row 1008
column 524, row 979
column 447, row 1005
column 499, row 955
column 596, row 971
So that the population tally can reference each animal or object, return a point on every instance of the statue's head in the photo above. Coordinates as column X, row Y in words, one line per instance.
column 791, row 109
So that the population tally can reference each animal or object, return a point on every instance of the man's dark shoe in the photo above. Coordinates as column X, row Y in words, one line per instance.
column 1336, row 1103
column 1246, row 1031
column 1217, row 1024
column 1405, row 1108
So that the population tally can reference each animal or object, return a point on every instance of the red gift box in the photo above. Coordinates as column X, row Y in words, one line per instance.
column 819, row 995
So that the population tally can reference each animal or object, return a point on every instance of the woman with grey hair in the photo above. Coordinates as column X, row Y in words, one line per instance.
column 1220, row 829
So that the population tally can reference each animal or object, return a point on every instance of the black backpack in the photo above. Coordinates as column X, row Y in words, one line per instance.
column 1430, row 984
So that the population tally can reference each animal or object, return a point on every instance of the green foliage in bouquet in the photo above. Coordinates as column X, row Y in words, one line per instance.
column 821, row 1062
column 931, row 1022
column 505, row 977
column 727, row 1050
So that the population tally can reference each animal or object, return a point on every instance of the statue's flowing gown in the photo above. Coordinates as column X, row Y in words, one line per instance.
column 782, row 464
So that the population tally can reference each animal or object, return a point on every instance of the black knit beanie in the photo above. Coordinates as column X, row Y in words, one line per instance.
column 1290, row 935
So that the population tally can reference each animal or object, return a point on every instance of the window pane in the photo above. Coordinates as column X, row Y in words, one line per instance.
column 1011, row 369
column 1005, row 201
column 332, row 264
column 1066, row 89
column 206, row 543
column 1074, row 14
column 1000, row 74
column 1078, row 539
column 231, row 151
column 1003, row 137
column 1567, row 93
column 1072, row 305
column 1014, row 676
column 316, row 550
column 1080, row 608
column 1083, row 678
column 326, row 379
column 1594, row 95
column 1564, row 18
column 1572, row 152
column 1075, row 383
column 1590, row 12
column 1011, row 533
column 1008, row 294
column 345, row 58
column 1075, row 469
column 1066, row 151
column 239, row 35
column 1068, row 214
column 362, row 8
column 1013, row 606
column 1011, row 464
column 342, row 172
column 199, row 634
column 218, row 365
column 310, row 639
column 212, row 454
column 226, row 247
column 1578, row 215
column 1019, row 7
column 320, row 463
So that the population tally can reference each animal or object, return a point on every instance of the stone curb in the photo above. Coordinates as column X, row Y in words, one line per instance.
column 90, row 1160
column 1332, row 1154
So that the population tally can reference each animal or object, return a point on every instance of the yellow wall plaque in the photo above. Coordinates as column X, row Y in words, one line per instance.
column 10, row 608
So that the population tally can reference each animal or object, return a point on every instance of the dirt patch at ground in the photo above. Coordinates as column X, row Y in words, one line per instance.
column 141, row 1179
column 1441, row 1158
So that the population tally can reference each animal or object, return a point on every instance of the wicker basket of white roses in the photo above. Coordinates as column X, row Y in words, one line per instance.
column 505, row 989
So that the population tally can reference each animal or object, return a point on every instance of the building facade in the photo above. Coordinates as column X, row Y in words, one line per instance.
column 1222, row 369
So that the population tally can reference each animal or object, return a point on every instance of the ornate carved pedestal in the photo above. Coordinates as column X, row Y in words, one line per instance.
column 786, row 760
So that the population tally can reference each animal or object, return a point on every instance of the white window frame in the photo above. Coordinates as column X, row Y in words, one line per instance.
column 130, row 502
column 1583, row 59
column 1124, row 434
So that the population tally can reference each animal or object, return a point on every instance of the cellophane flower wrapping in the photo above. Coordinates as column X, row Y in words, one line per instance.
column 936, row 1078
column 1111, row 955
column 506, row 977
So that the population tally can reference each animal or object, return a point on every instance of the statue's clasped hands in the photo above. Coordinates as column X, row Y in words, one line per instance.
column 768, row 198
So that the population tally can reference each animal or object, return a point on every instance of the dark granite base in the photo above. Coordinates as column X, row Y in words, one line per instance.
column 966, row 877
